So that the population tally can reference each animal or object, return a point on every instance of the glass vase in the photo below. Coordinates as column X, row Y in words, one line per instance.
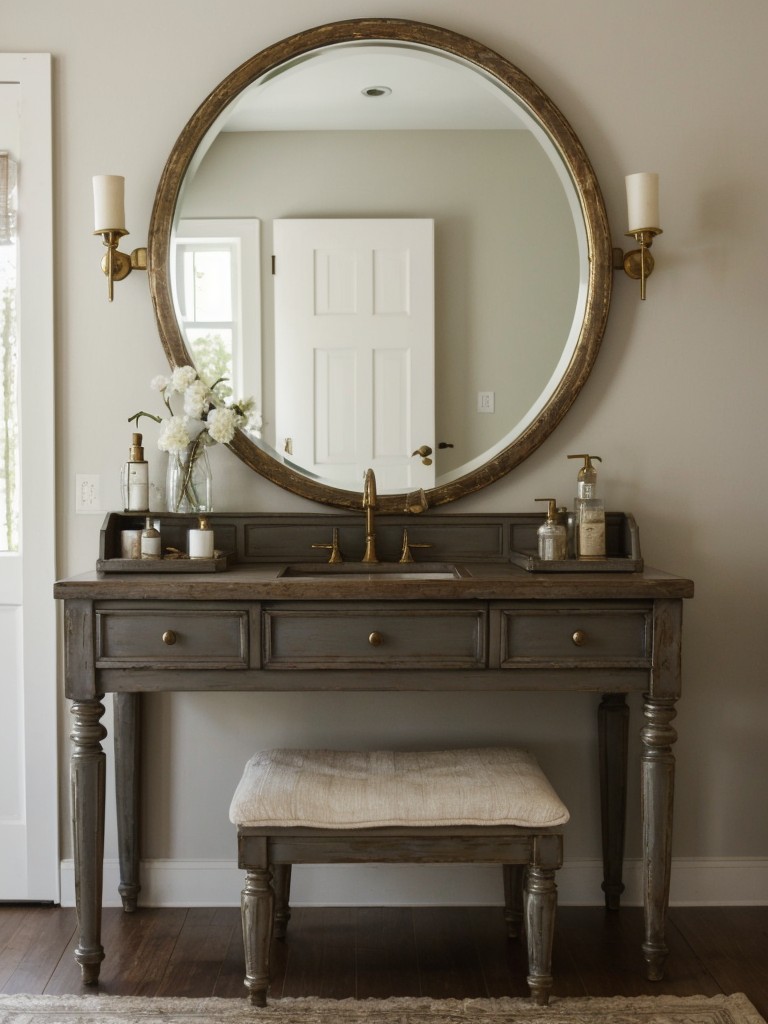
column 189, row 485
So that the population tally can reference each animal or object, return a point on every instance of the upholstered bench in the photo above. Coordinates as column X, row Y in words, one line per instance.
column 492, row 805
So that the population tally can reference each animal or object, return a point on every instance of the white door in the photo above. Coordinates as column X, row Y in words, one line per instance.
column 29, row 855
column 355, row 348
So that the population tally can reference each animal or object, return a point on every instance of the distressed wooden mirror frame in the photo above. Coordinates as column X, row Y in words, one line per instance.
column 563, row 139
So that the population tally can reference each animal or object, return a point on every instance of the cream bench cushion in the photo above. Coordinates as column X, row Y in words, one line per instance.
column 334, row 789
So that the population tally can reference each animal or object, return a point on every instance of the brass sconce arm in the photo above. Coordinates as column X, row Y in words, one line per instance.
column 118, row 265
column 637, row 263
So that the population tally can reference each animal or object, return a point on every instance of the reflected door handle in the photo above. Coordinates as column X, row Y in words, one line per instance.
column 375, row 639
column 423, row 452
column 169, row 637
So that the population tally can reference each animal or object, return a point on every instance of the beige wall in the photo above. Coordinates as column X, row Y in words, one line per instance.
column 676, row 405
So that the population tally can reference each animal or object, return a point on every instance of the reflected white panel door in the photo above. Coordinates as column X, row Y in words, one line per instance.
column 29, row 854
column 355, row 348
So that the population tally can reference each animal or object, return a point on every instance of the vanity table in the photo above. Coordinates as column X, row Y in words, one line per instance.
column 469, row 615
column 280, row 618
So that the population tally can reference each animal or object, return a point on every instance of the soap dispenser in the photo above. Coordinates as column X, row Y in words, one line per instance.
column 586, row 481
column 135, row 478
column 552, row 535
column 590, row 511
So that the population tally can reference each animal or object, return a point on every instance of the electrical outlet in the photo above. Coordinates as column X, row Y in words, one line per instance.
column 87, row 493
column 486, row 401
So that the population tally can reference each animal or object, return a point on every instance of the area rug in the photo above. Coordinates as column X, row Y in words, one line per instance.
column 735, row 1009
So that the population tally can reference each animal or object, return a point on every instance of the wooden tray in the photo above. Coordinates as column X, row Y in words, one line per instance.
column 532, row 563
column 155, row 565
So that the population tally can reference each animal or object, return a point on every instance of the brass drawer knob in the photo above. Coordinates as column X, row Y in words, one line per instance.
column 375, row 639
column 169, row 637
column 579, row 638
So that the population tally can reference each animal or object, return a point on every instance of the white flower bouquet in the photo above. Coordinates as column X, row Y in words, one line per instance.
column 205, row 420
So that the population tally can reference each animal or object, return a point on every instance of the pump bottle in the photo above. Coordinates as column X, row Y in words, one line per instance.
column 552, row 535
column 135, row 479
column 586, row 481
column 590, row 511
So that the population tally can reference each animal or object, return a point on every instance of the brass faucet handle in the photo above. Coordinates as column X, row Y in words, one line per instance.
column 406, row 553
column 336, row 556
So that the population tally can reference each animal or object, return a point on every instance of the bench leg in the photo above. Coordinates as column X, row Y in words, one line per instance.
column 540, row 903
column 256, row 904
column 514, row 876
column 281, row 883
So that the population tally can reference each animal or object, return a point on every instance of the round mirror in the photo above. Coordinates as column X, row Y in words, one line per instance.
column 392, row 239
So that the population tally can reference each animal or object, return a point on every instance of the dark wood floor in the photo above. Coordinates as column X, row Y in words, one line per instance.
column 372, row 952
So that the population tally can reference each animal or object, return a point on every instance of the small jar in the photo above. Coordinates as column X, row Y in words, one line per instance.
column 150, row 541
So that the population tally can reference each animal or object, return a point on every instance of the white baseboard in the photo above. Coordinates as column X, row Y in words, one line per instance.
column 704, row 881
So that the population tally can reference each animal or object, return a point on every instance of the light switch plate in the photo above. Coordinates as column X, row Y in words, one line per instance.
column 87, row 493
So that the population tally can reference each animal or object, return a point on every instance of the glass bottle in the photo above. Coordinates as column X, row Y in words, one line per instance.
column 150, row 541
column 135, row 479
column 552, row 536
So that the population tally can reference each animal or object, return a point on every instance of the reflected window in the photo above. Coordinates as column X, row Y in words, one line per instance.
column 218, row 300
column 9, row 402
column 209, row 275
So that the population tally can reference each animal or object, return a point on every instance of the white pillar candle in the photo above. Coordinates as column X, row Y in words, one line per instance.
column 643, row 201
column 109, row 202
column 201, row 541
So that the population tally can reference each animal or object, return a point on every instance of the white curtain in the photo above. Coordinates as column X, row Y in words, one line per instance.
column 7, row 198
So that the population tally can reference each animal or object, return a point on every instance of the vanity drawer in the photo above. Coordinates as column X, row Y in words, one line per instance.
column 373, row 635
column 566, row 637
column 189, row 638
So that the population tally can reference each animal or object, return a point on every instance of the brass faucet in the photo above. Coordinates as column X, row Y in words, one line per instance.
column 369, row 504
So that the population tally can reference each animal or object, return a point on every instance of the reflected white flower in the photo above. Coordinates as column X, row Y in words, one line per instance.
column 159, row 383
column 255, row 422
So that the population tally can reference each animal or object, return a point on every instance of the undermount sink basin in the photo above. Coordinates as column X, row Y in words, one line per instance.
column 378, row 570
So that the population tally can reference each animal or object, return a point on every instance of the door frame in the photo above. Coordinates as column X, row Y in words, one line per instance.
column 39, row 787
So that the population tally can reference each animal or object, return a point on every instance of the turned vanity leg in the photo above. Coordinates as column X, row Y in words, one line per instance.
column 88, row 777
column 657, row 778
column 127, row 732
column 657, row 773
column 540, row 902
column 613, row 738
column 257, row 907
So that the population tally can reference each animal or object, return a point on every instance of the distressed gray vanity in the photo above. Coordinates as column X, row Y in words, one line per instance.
column 463, row 617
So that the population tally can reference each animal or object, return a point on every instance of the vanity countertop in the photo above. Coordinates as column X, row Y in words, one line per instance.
column 481, row 581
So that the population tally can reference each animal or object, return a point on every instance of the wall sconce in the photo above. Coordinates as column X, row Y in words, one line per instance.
column 109, row 215
column 642, row 215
